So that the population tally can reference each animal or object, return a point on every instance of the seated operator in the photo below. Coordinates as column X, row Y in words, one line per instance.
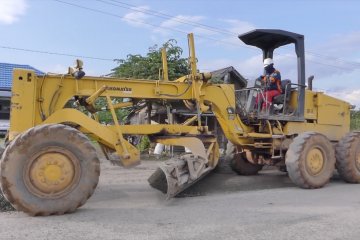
column 271, row 82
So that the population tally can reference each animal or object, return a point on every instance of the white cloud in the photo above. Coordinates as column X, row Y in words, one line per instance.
column 342, row 76
column 252, row 67
column 181, row 20
column 211, row 65
column 57, row 68
column 234, row 27
column 11, row 10
column 238, row 27
column 339, row 55
column 351, row 96
column 137, row 18
column 203, row 31
column 184, row 23
column 342, row 45
column 62, row 68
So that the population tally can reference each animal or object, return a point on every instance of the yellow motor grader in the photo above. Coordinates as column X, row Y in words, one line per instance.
column 50, row 166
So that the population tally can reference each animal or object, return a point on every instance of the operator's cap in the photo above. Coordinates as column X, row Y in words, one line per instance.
column 267, row 62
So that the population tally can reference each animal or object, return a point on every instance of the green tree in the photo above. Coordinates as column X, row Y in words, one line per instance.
column 355, row 120
column 105, row 115
column 147, row 67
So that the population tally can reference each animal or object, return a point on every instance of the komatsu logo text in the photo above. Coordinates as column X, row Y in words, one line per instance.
column 121, row 89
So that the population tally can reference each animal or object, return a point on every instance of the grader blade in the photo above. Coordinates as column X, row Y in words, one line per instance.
column 177, row 174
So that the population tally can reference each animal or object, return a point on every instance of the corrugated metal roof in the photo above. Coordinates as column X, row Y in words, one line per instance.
column 6, row 71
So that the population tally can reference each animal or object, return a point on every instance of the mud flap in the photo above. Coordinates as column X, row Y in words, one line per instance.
column 177, row 174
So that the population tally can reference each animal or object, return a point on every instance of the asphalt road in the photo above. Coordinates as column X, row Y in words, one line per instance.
column 221, row 206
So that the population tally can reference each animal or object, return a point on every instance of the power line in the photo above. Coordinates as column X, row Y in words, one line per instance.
column 181, row 31
column 149, row 24
column 55, row 53
column 167, row 16
column 153, row 25
column 355, row 63
column 118, row 16
column 212, row 28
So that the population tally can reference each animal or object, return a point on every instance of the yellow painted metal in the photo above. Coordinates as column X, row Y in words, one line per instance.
column 56, row 95
column 196, row 146
column 23, row 101
column 332, row 111
column 127, row 159
column 108, row 132
column 91, row 100
column 213, row 153
column 192, row 59
column 221, row 97
column 117, row 88
column 165, row 71
column 52, row 173
column 311, row 110
column 332, row 132
column 32, row 94
column 42, row 99
column 324, row 110
column 190, row 120
column 323, row 114
column 234, row 129
column 123, row 105
column 314, row 161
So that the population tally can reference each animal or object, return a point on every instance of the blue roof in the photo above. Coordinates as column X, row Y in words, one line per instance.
column 6, row 73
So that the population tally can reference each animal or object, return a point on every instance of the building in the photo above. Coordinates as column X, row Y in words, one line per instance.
column 6, row 75
column 229, row 75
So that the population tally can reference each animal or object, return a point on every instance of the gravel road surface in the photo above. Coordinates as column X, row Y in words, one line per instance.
column 221, row 206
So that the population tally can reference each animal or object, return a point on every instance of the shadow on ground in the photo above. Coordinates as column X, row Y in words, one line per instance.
column 231, row 182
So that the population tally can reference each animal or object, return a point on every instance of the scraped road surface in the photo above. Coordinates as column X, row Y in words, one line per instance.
column 222, row 206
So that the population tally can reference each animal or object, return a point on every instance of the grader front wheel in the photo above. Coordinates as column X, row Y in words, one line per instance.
column 49, row 169
column 238, row 163
column 310, row 160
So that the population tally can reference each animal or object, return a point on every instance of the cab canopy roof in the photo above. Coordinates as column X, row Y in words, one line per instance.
column 270, row 38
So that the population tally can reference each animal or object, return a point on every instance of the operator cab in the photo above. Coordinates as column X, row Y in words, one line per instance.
column 289, row 105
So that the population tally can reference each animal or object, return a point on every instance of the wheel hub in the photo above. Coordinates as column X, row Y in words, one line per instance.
column 315, row 161
column 51, row 174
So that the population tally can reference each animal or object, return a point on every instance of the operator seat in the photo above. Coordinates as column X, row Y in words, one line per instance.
column 286, row 90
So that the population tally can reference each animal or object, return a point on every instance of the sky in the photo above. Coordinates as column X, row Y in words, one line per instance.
column 103, row 30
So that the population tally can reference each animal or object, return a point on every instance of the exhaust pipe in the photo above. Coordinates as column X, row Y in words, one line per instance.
column 310, row 82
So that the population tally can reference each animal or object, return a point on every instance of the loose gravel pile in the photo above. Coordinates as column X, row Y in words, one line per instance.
column 4, row 204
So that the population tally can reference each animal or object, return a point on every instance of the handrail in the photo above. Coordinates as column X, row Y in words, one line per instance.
column 261, row 91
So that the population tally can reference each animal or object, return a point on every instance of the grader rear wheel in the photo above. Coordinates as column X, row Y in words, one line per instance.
column 310, row 160
column 348, row 157
column 239, row 164
column 49, row 169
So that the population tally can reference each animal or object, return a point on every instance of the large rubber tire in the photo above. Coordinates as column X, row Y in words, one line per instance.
column 310, row 160
column 49, row 169
column 4, row 204
column 348, row 157
column 238, row 164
